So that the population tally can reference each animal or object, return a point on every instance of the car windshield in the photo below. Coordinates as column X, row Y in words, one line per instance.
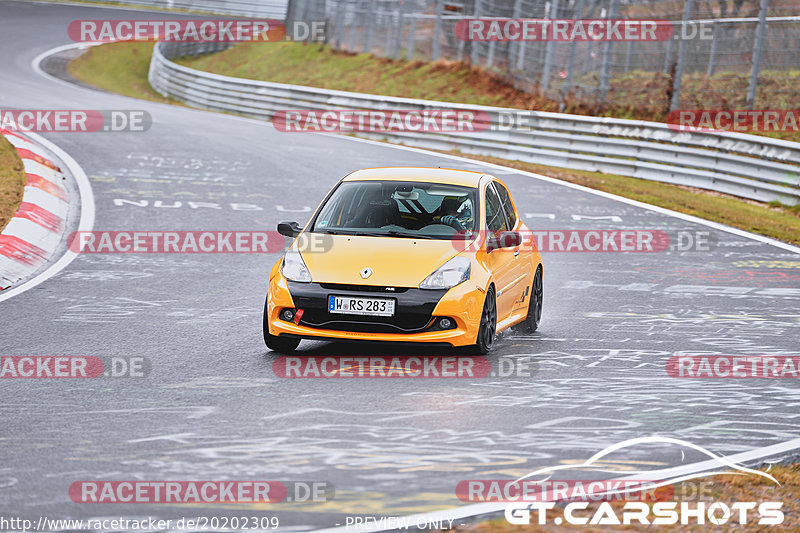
column 399, row 209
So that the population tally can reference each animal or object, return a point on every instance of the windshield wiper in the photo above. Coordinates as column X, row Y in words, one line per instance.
column 395, row 233
column 334, row 232
column 388, row 233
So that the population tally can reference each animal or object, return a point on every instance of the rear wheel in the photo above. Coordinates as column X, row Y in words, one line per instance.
column 276, row 343
column 488, row 327
column 531, row 322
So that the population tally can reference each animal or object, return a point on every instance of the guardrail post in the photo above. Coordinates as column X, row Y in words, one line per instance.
column 412, row 37
column 352, row 27
column 473, row 53
column 513, row 47
column 573, row 48
column 677, row 77
column 548, row 49
column 437, row 30
column 389, row 18
column 370, row 17
column 758, row 52
column 608, row 48
column 337, row 23
column 668, row 55
column 712, row 56
column 628, row 56
column 303, row 15
column 401, row 13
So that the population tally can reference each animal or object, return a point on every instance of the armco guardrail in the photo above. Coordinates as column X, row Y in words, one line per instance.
column 747, row 166
column 275, row 9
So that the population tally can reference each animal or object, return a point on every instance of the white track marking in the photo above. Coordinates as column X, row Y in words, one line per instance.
column 37, row 61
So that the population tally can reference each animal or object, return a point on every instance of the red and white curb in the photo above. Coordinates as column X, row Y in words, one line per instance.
column 34, row 234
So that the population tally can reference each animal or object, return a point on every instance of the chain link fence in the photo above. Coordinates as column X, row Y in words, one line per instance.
column 723, row 53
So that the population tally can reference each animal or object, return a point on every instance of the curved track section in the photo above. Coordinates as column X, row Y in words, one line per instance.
column 212, row 408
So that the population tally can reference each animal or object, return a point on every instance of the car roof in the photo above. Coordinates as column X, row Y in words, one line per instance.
column 447, row 176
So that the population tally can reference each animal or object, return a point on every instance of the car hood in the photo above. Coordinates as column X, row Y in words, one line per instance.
column 395, row 262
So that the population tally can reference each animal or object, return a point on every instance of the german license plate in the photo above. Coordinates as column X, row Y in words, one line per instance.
column 349, row 305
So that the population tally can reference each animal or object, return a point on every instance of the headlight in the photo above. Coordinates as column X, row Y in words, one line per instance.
column 294, row 268
column 448, row 275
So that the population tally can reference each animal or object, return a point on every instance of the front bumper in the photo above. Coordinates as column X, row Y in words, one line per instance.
column 417, row 313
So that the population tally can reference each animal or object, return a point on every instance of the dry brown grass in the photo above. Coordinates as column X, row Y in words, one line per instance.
column 12, row 181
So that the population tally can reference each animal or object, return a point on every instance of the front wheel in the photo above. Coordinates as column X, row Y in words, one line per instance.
column 488, row 327
column 276, row 343
column 531, row 322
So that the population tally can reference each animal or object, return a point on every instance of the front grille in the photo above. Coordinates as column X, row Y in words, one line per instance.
column 399, row 323
column 363, row 288
column 413, row 309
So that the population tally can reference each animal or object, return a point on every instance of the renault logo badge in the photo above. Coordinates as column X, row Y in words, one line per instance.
column 366, row 272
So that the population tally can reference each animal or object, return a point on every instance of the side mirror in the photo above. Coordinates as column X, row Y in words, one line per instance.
column 289, row 229
column 503, row 239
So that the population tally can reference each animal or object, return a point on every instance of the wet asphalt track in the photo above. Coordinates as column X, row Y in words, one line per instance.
column 212, row 408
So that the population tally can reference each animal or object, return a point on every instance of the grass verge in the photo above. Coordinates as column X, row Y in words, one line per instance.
column 118, row 68
column 727, row 489
column 12, row 181
column 122, row 68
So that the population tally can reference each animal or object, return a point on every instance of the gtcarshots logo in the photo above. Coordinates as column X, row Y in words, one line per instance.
column 543, row 509
column 211, row 30
column 188, row 492
column 75, row 120
column 423, row 366
column 515, row 29
column 386, row 120
column 658, row 513
column 79, row 366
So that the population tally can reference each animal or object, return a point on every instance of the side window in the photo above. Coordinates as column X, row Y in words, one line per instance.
column 495, row 219
column 505, row 198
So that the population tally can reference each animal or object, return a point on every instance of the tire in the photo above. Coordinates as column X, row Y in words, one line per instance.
column 488, row 327
column 531, row 323
column 276, row 343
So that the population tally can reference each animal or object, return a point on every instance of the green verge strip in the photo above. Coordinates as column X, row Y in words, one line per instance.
column 118, row 68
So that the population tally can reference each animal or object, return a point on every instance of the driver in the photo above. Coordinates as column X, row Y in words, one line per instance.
column 456, row 213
